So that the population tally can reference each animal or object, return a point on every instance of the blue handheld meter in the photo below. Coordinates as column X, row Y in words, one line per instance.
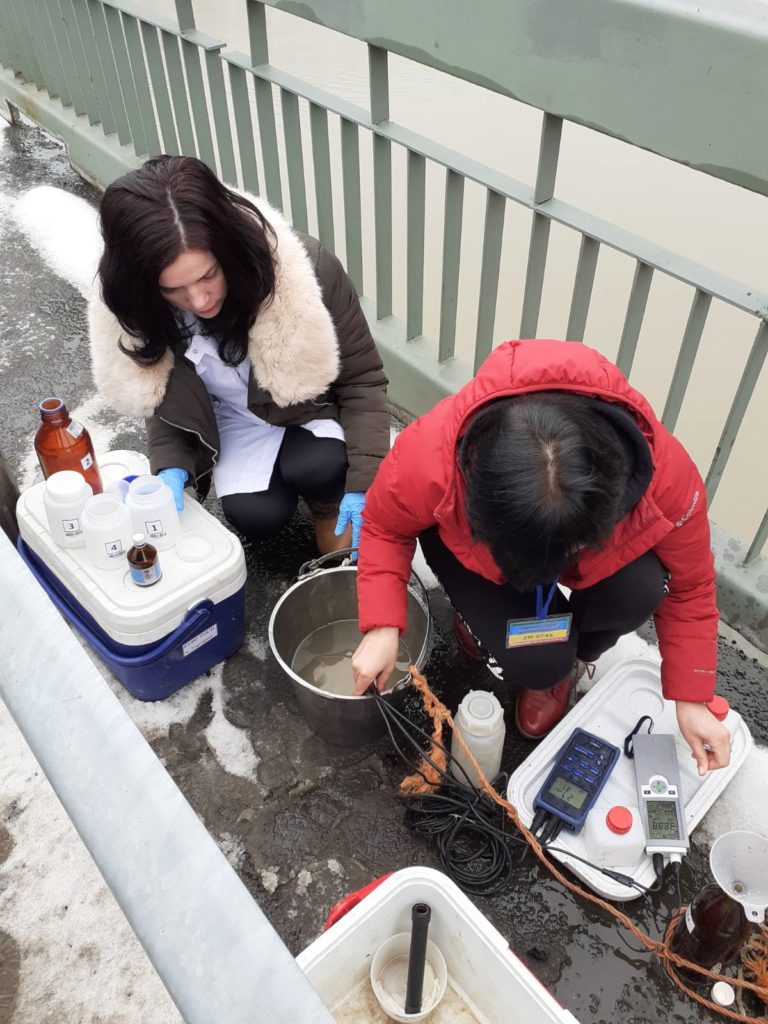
column 579, row 773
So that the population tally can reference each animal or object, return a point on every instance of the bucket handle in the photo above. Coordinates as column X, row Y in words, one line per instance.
column 314, row 565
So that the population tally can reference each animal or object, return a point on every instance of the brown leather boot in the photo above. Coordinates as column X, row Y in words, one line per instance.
column 327, row 540
column 538, row 711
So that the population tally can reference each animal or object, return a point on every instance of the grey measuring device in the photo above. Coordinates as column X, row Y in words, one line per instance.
column 659, row 793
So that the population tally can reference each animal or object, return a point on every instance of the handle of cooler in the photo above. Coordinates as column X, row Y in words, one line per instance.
column 195, row 618
column 346, row 903
column 194, row 621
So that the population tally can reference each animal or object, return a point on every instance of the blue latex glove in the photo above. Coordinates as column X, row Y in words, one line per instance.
column 351, row 511
column 176, row 479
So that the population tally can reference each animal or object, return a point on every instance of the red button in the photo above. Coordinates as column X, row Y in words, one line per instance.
column 719, row 707
column 619, row 820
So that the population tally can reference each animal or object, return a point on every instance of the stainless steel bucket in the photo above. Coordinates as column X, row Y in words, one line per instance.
column 322, row 595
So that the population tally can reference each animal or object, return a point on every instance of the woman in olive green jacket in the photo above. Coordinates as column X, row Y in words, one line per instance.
column 243, row 343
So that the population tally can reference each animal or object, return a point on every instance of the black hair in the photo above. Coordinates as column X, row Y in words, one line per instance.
column 170, row 205
column 545, row 477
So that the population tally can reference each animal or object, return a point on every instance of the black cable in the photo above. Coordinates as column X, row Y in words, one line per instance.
column 551, row 830
column 469, row 829
column 675, row 867
column 539, row 817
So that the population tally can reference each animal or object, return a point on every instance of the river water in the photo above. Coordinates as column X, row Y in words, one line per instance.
column 709, row 221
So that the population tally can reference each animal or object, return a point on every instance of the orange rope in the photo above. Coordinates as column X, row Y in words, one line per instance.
column 440, row 714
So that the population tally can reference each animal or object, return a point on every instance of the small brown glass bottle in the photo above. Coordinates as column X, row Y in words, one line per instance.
column 143, row 562
column 712, row 931
column 63, row 443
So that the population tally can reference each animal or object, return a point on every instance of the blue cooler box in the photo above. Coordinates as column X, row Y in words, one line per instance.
column 154, row 639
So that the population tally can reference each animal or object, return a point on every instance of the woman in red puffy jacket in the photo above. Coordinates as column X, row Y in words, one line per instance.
column 548, row 467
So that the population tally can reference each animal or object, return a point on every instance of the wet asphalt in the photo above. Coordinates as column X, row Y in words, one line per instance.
column 321, row 821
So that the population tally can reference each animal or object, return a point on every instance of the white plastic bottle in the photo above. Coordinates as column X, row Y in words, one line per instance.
column 153, row 511
column 107, row 529
column 614, row 835
column 480, row 719
column 64, row 498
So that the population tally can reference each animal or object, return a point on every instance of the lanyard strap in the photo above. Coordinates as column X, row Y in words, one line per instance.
column 542, row 606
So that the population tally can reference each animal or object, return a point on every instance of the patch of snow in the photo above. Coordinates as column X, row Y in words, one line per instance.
column 65, row 231
column 231, row 745
column 270, row 877
column 743, row 806
column 422, row 570
column 257, row 646
column 80, row 959
column 303, row 881
column 335, row 868
column 629, row 646
column 233, row 849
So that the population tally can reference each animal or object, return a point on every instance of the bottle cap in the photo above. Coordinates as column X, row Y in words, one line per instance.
column 51, row 405
column 619, row 820
column 67, row 485
column 718, row 706
column 138, row 539
column 723, row 994
column 481, row 712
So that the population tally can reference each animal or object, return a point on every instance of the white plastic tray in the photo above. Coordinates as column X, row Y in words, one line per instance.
column 487, row 983
column 611, row 710
column 129, row 614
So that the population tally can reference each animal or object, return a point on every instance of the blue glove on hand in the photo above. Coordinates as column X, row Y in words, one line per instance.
column 351, row 511
column 175, row 479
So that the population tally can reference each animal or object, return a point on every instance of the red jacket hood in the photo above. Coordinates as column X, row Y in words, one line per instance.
column 523, row 367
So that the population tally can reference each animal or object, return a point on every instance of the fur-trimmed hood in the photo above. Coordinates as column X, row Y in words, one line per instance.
column 293, row 347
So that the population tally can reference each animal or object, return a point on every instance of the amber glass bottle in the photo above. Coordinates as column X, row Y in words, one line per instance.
column 712, row 931
column 143, row 562
column 63, row 443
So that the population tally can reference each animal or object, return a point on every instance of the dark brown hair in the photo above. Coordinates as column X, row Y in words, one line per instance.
column 148, row 218
column 545, row 476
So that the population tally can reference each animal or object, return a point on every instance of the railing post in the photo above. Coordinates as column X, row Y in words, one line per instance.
column 265, row 109
column 185, row 15
column 382, row 179
column 549, row 151
column 747, row 384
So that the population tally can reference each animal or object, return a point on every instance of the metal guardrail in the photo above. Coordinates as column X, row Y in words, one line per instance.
column 214, row 949
column 163, row 86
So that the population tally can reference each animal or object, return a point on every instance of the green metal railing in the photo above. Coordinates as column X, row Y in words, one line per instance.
column 162, row 86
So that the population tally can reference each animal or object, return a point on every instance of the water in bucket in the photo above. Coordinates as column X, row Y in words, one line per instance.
column 324, row 658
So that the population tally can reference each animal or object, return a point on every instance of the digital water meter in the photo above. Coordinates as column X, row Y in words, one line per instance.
column 579, row 773
column 659, row 793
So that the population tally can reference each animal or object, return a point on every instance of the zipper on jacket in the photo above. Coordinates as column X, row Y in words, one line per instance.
column 189, row 430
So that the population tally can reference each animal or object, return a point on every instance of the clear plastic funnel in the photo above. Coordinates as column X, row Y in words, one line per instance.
column 739, row 863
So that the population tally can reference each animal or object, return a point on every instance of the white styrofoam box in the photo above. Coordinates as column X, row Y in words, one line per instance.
column 482, row 970
column 207, row 562
column 611, row 710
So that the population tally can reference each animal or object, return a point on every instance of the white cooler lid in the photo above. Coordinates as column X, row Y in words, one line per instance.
column 207, row 563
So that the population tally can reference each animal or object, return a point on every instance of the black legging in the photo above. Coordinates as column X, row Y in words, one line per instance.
column 601, row 614
column 313, row 468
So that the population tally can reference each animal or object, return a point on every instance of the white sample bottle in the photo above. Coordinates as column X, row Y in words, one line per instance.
column 153, row 511
column 480, row 719
column 107, row 528
column 64, row 498
column 614, row 835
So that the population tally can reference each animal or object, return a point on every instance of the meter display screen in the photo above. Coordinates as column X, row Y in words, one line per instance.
column 662, row 819
column 568, row 792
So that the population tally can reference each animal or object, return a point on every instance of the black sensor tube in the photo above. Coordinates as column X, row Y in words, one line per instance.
column 420, row 915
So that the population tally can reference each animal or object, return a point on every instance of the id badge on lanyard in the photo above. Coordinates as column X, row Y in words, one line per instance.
column 543, row 628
